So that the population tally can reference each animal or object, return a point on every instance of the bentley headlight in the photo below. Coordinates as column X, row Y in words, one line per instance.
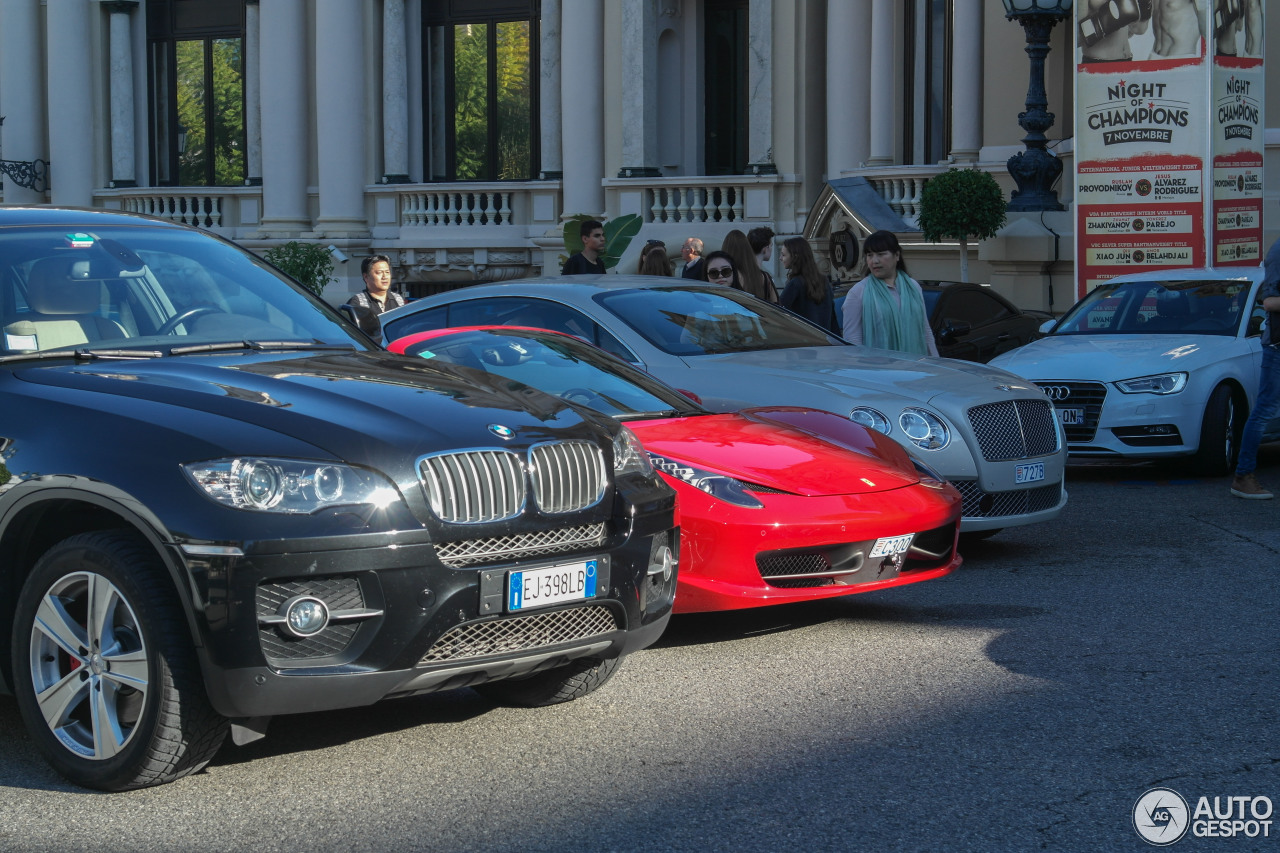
column 1163, row 383
column 717, row 485
column 288, row 485
column 925, row 429
column 629, row 456
column 870, row 418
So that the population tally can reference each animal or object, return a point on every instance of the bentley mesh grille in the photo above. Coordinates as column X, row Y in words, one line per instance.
column 980, row 504
column 471, row 551
column 521, row 633
column 1086, row 396
column 474, row 486
column 1014, row 429
column 336, row 593
column 567, row 475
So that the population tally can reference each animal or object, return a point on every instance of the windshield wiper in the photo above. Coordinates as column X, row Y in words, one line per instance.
column 223, row 346
column 84, row 354
column 649, row 416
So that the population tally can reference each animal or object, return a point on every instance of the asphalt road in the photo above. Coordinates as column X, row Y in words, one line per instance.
column 1023, row 703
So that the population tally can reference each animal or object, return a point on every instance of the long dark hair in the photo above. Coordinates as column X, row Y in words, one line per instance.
column 719, row 255
column 805, row 266
column 883, row 241
column 749, row 275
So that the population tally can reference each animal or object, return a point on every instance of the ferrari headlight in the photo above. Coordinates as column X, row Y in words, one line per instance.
column 925, row 429
column 288, row 485
column 629, row 456
column 1163, row 383
column 717, row 485
column 870, row 418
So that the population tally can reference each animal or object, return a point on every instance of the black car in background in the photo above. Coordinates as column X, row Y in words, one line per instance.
column 219, row 503
column 972, row 321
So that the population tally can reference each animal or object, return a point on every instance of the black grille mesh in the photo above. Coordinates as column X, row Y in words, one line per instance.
column 980, row 504
column 557, row 541
column 1014, row 429
column 338, row 593
column 781, row 565
column 521, row 633
column 1089, row 396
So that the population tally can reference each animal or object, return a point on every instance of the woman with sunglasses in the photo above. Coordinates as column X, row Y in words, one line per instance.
column 718, row 268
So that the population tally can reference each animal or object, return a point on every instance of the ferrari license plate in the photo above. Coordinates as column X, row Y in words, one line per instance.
column 532, row 588
column 891, row 545
column 1071, row 417
column 1029, row 473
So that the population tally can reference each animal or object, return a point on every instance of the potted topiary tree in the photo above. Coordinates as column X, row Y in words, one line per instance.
column 964, row 205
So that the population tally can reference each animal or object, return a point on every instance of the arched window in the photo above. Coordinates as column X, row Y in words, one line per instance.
column 196, row 71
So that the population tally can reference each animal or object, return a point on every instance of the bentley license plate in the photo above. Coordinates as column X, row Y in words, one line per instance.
column 1071, row 417
column 1029, row 473
column 891, row 545
column 553, row 585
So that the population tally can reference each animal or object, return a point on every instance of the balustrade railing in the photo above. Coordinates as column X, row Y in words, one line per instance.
column 698, row 203
column 490, row 206
column 202, row 211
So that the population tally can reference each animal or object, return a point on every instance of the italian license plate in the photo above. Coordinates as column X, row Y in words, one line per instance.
column 1029, row 473
column 532, row 588
column 1071, row 417
column 891, row 545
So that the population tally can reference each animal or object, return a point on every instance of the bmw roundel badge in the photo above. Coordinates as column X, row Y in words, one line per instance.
column 501, row 431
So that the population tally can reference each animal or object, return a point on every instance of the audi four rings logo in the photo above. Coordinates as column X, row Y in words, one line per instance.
column 1057, row 393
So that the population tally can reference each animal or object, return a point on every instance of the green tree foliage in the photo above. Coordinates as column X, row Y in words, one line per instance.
column 513, row 159
column 224, row 105
column 964, row 205
column 309, row 264
column 618, row 234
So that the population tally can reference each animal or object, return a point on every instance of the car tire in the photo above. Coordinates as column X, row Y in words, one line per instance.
column 1219, row 435
column 105, row 674
column 562, row 684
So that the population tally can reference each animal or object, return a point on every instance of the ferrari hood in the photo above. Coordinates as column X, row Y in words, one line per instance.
column 756, row 448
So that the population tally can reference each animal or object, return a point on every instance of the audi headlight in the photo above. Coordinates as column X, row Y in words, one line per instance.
column 629, row 456
column 1163, row 383
column 871, row 419
column 289, row 485
column 717, row 485
column 925, row 429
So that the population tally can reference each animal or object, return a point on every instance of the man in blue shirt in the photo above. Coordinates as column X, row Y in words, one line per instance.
column 1245, row 484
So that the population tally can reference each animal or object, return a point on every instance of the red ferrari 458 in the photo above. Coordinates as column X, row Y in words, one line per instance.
column 776, row 504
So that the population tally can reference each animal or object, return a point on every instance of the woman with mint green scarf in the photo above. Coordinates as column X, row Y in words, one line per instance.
column 886, row 309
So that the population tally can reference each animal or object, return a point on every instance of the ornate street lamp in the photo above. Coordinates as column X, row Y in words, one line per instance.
column 32, row 174
column 1036, row 169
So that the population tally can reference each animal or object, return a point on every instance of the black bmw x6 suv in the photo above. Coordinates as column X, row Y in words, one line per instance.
column 220, row 502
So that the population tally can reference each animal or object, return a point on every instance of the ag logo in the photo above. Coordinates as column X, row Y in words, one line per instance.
column 1161, row 816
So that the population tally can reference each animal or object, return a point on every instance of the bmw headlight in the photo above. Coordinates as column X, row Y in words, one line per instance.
column 717, row 485
column 288, row 485
column 1163, row 383
column 629, row 456
column 870, row 418
column 925, row 429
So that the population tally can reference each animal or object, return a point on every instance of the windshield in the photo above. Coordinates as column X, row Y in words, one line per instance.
column 146, row 288
column 705, row 321
column 1214, row 307
column 560, row 365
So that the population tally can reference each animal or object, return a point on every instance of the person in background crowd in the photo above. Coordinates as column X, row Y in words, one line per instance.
column 691, row 251
column 377, row 296
column 587, row 262
column 807, row 292
column 644, row 253
column 749, row 275
column 886, row 309
column 718, row 268
column 761, row 240
column 654, row 260
column 1245, row 483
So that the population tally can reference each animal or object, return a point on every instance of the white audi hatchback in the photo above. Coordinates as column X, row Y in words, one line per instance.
column 1155, row 364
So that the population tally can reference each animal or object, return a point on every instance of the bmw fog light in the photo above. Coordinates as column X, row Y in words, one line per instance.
column 304, row 616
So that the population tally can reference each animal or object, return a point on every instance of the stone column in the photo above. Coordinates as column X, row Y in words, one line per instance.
column 582, row 99
column 340, row 133
column 285, row 121
column 123, row 167
column 22, row 135
column 885, row 107
column 966, row 81
column 71, row 79
column 640, row 91
column 760, row 88
column 848, row 100
column 252, row 93
column 395, row 94
column 549, row 92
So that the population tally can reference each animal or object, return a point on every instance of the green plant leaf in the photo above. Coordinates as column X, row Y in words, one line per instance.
column 309, row 264
column 618, row 234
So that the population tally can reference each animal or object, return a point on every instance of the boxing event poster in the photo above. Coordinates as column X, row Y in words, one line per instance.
column 1237, row 126
column 1142, row 138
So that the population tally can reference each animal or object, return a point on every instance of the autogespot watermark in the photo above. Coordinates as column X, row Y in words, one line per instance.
column 1162, row 817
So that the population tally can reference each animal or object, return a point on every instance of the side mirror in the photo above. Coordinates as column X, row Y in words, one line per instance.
column 954, row 329
column 1046, row 326
column 1255, row 326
